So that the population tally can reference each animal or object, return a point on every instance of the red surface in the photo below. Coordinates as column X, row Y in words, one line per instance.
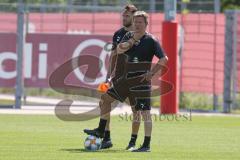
column 60, row 48
column 169, row 101
column 203, row 52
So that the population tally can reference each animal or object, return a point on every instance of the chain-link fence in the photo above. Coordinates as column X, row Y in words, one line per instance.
column 8, row 30
column 66, row 17
column 202, row 55
column 232, row 62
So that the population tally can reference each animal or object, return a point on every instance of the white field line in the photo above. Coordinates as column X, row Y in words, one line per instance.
column 44, row 100
column 80, row 107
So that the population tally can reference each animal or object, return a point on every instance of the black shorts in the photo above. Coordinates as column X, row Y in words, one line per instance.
column 120, row 91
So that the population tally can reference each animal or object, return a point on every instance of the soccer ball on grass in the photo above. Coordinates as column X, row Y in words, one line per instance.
column 92, row 143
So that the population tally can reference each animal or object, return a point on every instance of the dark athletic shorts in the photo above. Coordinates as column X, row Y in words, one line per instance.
column 120, row 91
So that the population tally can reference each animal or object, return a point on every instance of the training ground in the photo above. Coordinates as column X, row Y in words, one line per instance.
column 36, row 133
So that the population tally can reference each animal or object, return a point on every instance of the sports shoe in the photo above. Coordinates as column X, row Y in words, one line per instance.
column 130, row 147
column 94, row 132
column 106, row 144
column 142, row 149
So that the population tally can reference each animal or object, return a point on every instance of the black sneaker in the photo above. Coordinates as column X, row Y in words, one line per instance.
column 106, row 144
column 94, row 132
column 142, row 149
column 130, row 147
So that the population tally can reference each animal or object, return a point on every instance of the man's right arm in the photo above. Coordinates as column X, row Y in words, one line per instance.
column 127, row 42
column 112, row 64
column 112, row 58
column 125, row 46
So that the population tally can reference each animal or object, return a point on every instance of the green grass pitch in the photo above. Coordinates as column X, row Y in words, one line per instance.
column 46, row 137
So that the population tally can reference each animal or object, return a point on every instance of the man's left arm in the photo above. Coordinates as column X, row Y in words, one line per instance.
column 156, row 68
column 159, row 65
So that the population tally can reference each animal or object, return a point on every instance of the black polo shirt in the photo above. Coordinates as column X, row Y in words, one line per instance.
column 144, row 51
column 118, row 36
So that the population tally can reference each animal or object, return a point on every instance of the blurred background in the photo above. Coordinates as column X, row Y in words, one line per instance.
column 209, row 47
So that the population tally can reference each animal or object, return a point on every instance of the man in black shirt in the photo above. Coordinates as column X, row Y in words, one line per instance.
column 139, row 47
column 136, row 47
column 127, row 16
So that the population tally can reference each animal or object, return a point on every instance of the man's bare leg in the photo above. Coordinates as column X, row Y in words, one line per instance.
column 136, row 121
column 105, row 109
column 146, row 116
column 135, row 128
column 147, row 127
column 107, row 143
column 105, row 106
column 108, row 123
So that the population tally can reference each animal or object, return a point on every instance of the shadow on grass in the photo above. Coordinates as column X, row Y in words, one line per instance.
column 82, row 150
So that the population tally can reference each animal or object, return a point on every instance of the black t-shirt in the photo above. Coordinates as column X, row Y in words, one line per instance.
column 116, row 39
column 144, row 51
column 118, row 36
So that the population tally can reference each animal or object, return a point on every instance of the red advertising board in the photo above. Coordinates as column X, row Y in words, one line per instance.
column 44, row 53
